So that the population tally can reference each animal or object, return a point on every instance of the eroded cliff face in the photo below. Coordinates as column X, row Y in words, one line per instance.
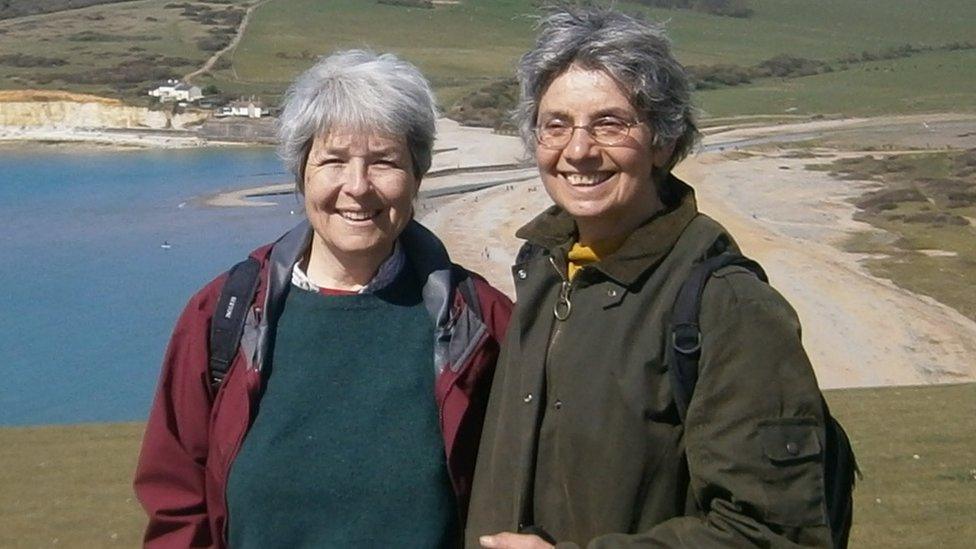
column 80, row 111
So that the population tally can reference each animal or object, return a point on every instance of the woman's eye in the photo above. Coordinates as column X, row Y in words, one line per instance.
column 609, row 123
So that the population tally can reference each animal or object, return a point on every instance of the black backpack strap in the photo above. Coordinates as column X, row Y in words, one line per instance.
column 227, row 323
column 683, row 348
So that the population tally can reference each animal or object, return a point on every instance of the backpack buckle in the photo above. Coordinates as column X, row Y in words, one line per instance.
column 686, row 338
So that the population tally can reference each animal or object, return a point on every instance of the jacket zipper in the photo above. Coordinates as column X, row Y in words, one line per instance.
column 561, row 311
column 563, row 306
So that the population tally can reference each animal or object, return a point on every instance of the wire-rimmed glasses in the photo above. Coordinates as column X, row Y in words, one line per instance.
column 607, row 130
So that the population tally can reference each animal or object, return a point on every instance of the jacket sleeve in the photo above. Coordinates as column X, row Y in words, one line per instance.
column 754, row 433
column 170, row 474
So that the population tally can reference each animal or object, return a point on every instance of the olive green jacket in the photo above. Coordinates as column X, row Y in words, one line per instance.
column 582, row 438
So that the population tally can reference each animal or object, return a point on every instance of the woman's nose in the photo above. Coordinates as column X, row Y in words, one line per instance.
column 581, row 145
column 357, row 181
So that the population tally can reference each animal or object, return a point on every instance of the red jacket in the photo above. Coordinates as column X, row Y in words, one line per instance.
column 192, row 438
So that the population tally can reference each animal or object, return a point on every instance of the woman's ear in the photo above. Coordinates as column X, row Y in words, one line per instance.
column 661, row 154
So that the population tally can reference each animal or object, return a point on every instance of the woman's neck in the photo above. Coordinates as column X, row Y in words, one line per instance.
column 328, row 267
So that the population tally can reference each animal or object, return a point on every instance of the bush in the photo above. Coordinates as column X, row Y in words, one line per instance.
column 715, row 76
column 213, row 43
column 30, row 61
column 785, row 65
column 427, row 4
column 727, row 8
column 18, row 8
column 880, row 200
column 488, row 107
column 222, row 63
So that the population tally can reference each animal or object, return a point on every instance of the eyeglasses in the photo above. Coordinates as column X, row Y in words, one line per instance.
column 607, row 131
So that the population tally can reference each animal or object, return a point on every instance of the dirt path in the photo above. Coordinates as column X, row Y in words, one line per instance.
column 229, row 47
column 858, row 330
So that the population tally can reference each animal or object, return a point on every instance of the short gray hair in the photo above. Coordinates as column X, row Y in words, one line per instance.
column 636, row 54
column 362, row 91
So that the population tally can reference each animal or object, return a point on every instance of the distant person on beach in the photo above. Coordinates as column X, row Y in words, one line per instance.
column 591, row 439
column 352, row 408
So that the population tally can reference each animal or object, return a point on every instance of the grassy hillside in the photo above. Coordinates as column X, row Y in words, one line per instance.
column 927, row 82
column 70, row 485
column 10, row 8
column 460, row 46
column 116, row 50
column 466, row 46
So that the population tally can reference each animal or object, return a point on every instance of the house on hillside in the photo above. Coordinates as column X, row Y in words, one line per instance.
column 175, row 90
column 245, row 108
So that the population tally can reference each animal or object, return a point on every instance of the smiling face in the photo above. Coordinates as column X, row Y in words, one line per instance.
column 607, row 189
column 359, row 191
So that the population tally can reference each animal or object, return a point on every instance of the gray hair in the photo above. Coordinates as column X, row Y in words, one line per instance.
column 634, row 53
column 362, row 91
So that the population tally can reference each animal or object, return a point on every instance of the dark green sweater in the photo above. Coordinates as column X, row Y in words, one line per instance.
column 346, row 449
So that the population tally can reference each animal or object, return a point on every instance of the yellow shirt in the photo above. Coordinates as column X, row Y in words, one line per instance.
column 579, row 255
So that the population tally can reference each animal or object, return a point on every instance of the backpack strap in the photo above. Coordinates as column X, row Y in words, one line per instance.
column 465, row 285
column 683, row 347
column 227, row 323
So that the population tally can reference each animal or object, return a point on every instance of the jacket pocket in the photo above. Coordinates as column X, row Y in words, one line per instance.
column 793, row 479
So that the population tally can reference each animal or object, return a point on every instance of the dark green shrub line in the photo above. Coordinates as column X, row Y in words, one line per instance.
column 707, row 77
column 426, row 4
column 10, row 9
column 726, row 8
column 21, row 60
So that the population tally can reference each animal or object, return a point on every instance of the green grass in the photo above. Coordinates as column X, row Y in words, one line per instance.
column 69, row 486
column 73, row 483
column 929, row 82
column 458, row 47
column 129, row 31
column 462, row 47
column 904, row 501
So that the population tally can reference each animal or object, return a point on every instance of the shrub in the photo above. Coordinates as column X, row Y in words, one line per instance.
column 727, row 8
column 427, row 4
column 28, row 61
column 489, row 107
column 889, row 198
column 785, row 65
column 213, row 43
column 715, row 76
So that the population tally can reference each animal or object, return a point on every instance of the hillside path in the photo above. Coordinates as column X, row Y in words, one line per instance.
column 233, row 43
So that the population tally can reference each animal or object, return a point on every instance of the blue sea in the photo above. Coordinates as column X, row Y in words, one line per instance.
column 89, row 293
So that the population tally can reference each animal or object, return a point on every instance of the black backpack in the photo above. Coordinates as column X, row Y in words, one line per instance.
column 683, row 352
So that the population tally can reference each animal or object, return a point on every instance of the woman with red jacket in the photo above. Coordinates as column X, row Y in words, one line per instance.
column 352, row 411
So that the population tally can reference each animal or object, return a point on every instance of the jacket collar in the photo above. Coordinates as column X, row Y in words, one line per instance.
column 424, row 253
column 555, row 230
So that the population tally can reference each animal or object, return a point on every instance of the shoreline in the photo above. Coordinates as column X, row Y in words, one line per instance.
column 121, row 139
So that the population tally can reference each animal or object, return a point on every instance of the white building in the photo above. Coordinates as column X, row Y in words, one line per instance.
column 174, row 90
column 248, row 109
